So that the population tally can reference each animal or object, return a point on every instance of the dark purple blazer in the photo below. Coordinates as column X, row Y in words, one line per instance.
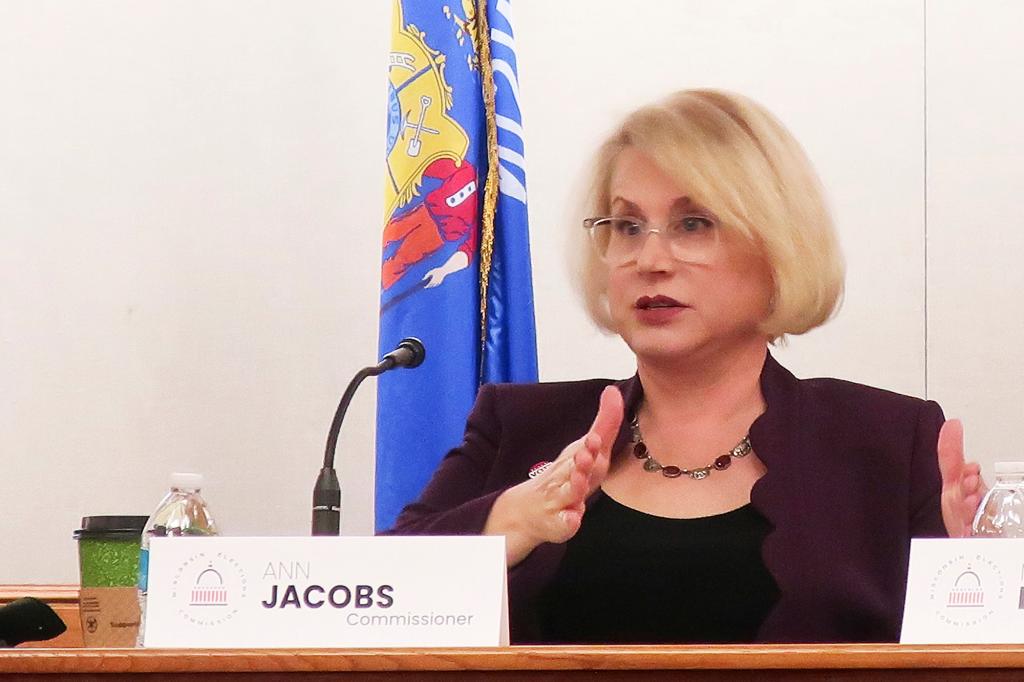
column 852, row 475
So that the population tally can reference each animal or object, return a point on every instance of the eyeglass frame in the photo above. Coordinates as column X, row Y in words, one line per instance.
column 596, row 221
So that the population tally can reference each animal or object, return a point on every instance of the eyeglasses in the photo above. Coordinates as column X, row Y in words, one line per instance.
column 619, row 239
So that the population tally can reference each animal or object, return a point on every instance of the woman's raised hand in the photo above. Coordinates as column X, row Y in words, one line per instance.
column 550, row 507
column 962, row 486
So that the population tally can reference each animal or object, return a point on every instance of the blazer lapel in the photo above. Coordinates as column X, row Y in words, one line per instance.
column 777, row 494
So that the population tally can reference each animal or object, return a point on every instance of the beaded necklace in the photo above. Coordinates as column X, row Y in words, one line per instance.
column 721, row 463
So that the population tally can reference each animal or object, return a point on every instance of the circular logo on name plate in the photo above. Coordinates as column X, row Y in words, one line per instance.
column 208, row 588
column 965, row 589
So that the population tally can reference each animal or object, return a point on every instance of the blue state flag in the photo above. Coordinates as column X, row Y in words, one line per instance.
column 455, row 269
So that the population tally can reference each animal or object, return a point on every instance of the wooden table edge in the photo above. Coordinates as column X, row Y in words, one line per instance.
column 746, row 657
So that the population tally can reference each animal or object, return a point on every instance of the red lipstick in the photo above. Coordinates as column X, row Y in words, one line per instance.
column 658, row 309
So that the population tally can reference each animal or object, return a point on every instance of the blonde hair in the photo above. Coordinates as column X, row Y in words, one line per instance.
column 738, row 160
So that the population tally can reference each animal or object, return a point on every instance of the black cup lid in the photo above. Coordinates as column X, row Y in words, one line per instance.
column 98, row 526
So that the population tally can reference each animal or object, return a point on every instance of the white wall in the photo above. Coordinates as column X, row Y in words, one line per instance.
column 190, row 207
column 190, row 218
column 976, row 220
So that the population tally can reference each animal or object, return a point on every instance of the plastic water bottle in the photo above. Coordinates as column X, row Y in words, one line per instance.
column 1001, row 513
column 182, row 512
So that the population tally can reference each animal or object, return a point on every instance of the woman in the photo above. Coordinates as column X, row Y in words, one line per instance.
column 714, row 497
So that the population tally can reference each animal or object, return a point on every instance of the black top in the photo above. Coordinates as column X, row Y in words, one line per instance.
column 630, row 577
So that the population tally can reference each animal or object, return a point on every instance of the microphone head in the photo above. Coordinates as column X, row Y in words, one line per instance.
column 28, row 620
column 417, row 353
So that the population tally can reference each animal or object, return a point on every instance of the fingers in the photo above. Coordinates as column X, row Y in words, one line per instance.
column 598, row 461
column 982, row 487
column 579, row 470
column 972, row 485
column 951, row 452
column 571, row 480
column 579, row 478
column 601, row 435
column 572, row 520
column 606, row 427
column 962, row 485
column 957, row 475
column 609, row 417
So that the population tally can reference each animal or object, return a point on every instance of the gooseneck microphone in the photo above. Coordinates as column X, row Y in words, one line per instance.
column 327, row 491
column 28, row 620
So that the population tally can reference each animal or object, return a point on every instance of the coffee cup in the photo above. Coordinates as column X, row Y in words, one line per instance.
column 108, row 561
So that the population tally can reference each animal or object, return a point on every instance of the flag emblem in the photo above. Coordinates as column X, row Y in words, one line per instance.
column 455, row 259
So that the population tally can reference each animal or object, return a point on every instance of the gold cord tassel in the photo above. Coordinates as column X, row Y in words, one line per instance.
column 490, row 198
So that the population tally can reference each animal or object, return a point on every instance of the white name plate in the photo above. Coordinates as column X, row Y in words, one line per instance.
column 224, row 592
column 965, row 591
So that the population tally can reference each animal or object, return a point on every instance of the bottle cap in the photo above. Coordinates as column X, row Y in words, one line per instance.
column 190, row 481
column 1009, row 468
